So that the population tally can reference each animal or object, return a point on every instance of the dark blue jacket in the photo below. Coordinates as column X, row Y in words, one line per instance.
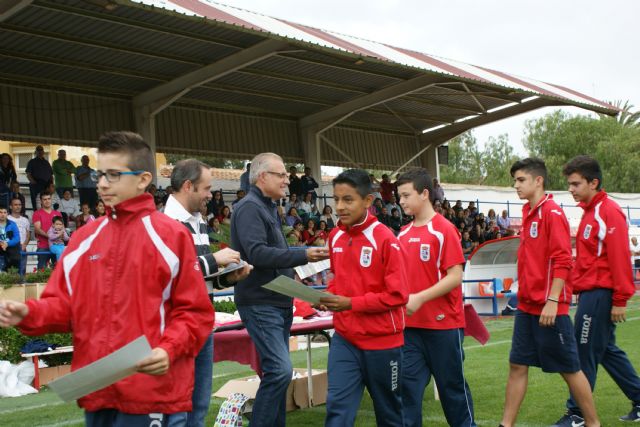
column 257, row 234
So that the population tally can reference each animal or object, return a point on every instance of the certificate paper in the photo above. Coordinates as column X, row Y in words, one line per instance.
column 286, row 286
column 312, row 268
column 103, row 372
column 228, row 269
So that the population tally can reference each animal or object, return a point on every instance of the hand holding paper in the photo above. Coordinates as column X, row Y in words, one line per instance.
column 286, row 286
column 156, row 364
column 103, row 372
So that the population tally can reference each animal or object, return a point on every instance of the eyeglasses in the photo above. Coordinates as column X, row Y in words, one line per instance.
column 113, row 175
column 281, row 175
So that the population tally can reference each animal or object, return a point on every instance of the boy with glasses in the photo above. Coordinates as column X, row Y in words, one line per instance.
column 127, row 274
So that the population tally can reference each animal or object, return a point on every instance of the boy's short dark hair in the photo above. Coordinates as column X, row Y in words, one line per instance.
column 3, row 207
column 140, row 156
column 586, row 166
column 420, row 178
column 356, row 178
column 532, row 166
column 44, row 194
column 54, row 219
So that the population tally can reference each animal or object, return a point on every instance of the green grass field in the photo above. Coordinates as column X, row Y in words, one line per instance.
column 486, row 370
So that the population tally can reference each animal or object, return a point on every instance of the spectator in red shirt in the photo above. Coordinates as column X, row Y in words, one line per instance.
column 42, row 220
column 386, row 188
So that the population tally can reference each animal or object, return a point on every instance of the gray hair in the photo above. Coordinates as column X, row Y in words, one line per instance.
column 260, row 164
column 187, row 170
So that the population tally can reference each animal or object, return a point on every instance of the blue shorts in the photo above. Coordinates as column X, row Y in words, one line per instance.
column 553, row 349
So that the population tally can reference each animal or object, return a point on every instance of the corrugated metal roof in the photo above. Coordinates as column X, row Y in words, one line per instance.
column 69, row 70
column 368, row 48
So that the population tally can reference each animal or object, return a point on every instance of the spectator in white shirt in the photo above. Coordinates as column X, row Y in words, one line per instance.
column 504, row 223
column 68, row 207
column 24, row 227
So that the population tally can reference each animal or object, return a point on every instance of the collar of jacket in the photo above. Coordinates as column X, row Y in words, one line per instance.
column 132, row 208
column 600, row 195
column 265, row 199
column 358, row 228
column 530, row 211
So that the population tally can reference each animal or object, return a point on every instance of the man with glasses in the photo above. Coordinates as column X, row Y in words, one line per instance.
column 42, row 220
column 257, row 234
column 39, row 174
column 191, row 180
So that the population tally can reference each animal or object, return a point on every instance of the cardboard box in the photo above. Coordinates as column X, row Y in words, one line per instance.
column 34, row 290
column 297, row 392
column 22, row 293
column 51, row 373
column 293, row 344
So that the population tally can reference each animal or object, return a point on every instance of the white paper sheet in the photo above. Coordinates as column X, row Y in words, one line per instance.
column 312, row 268
column 103, row 372
column 289, row 287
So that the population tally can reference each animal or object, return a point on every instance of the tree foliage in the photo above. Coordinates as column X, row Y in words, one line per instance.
column 468, row 164
column 558, row 136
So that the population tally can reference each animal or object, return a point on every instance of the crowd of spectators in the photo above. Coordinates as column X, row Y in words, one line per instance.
column 55, row 210
column 305, row 224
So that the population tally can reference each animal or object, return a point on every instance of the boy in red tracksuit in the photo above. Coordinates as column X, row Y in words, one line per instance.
column 370, row 292
column 129, row 273
column 603, row 280
column 542, row 333
column 435, row 325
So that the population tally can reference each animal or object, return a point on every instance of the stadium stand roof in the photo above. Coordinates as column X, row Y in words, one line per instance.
column 194, row 76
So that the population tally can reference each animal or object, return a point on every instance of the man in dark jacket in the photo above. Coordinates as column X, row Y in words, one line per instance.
column 257, row 234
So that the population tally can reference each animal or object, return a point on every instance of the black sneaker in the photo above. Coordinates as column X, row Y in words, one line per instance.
column 508, row 311
column 569, row 420
column 634, row 415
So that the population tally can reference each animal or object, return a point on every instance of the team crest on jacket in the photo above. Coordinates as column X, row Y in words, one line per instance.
column 533, row 230
column 587, row 232
column 425, row 251
column 365, row 256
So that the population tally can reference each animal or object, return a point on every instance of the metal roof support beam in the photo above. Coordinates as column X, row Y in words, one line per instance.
column 146, row 127
column 339, row 150
column 332, row 116
column 418, row 154
column 177, row 87
column 446, row 133
column 8, row 8
column 311, row 151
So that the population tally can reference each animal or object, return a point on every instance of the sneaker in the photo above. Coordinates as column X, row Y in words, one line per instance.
column 634, row 415
column 508, row 311
column 569, row 420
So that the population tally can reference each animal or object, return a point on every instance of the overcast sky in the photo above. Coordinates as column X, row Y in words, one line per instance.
column 591, row 46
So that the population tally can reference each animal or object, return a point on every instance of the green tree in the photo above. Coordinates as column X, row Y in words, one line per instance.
column 497, row 158
column 626, row 117
column 558, row 136
column 470, row 165
column 464, row 161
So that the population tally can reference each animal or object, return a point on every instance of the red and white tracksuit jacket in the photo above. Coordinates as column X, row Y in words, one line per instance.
column 130, row 273
column 368, row 266
column 544, row 254
column 602, row 250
